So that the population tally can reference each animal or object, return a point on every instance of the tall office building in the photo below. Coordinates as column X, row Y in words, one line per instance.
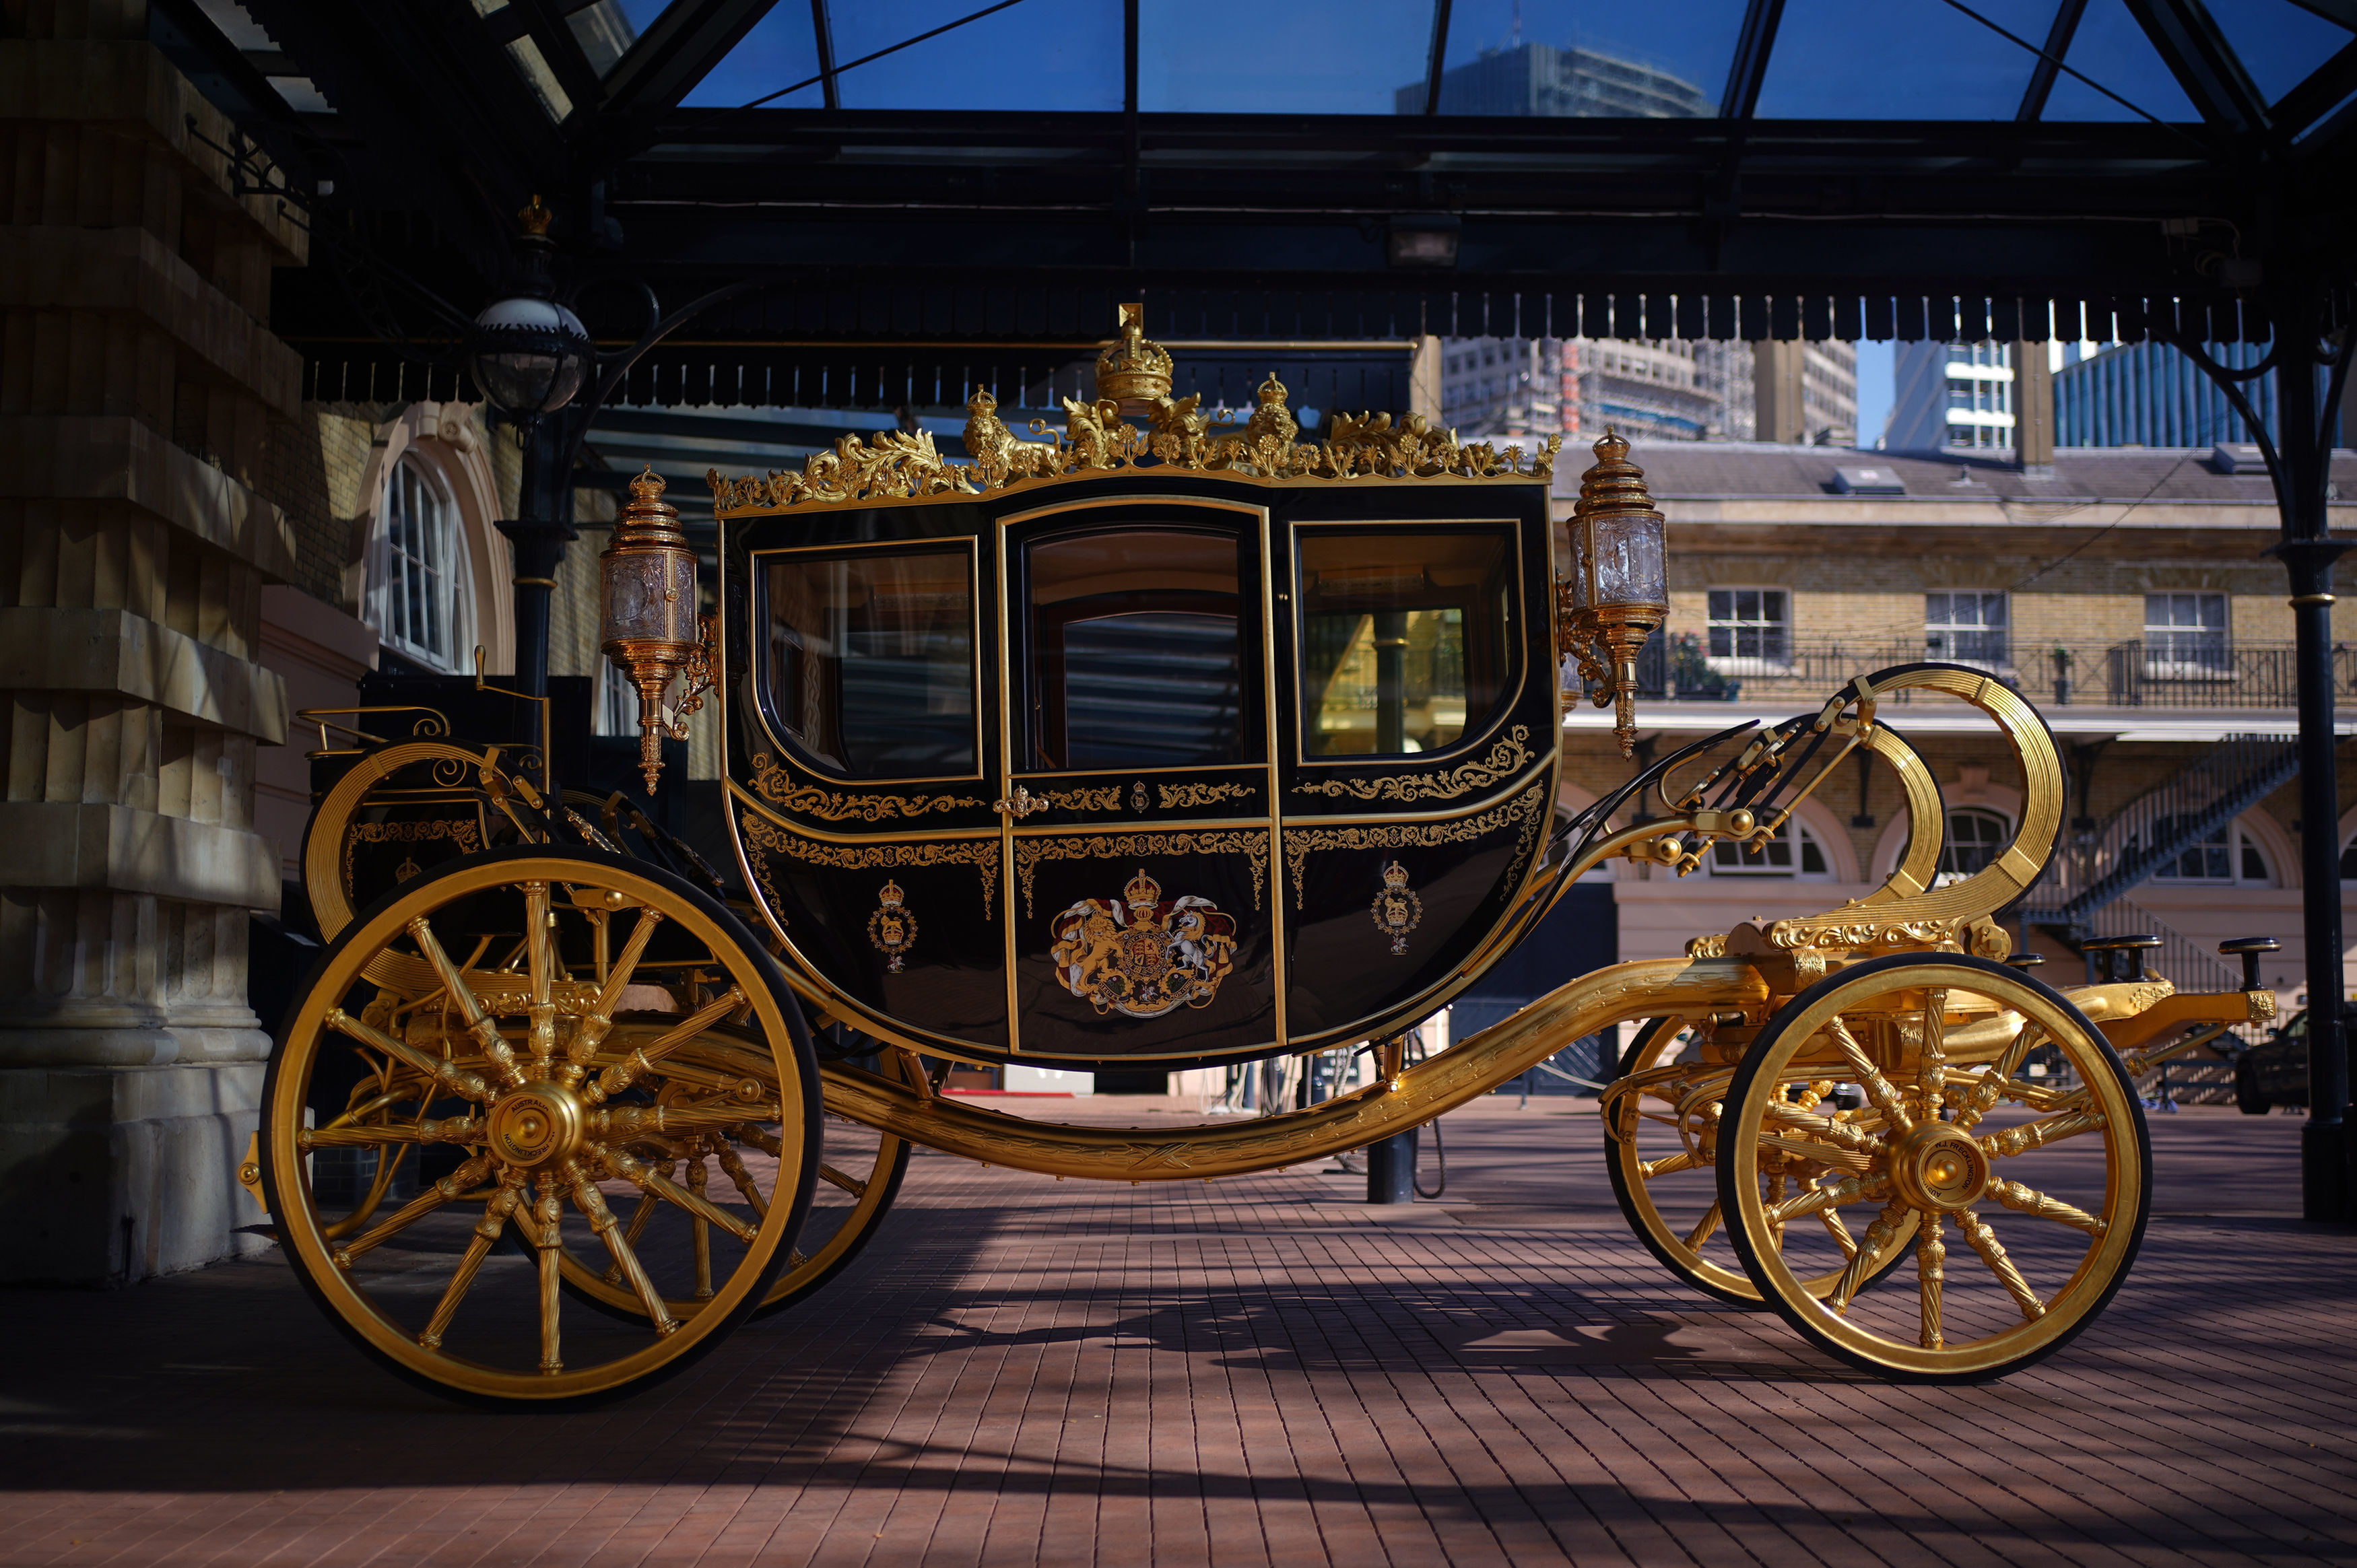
column 1653, row 391
column 2149, row 394
column 1542, row 80
column 1951, row 397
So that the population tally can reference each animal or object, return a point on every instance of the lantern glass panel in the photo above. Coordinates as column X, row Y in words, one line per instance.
column 1629, row 560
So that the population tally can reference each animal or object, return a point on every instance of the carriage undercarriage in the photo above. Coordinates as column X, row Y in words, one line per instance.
column 560, row 1107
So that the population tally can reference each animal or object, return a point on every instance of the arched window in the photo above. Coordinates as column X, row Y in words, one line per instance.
column 1977, row 835
column 1795, row 852
column 618, row 700
column 2226, row 854
column 418, row 586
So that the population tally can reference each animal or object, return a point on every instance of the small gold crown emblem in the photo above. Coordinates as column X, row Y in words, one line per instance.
column 1133, row 369
column 891, row 896
column 1395, row 875
column 1142, row 890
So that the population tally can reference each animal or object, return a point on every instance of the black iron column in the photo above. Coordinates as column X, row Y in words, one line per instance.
column 1390, row 1168
column 539, row 533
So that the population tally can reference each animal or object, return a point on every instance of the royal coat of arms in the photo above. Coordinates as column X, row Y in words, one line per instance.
column 1145, row 955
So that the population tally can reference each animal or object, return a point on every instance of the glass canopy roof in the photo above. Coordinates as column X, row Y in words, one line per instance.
column 2055, row 60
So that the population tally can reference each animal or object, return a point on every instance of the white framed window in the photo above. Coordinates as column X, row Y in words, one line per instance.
column 1795, row 852
column 617, row 711
column 1967, row 625
column 419, row 597
column 2185, row 636
column 1977, row 835
column 1751, row 627
column 2228, row 854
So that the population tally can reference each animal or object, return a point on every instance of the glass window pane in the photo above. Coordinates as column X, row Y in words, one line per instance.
column 2111, row 50
column 1313, row 56
column 607, row 28
column 1136, row 656
column 780, row 52
column 1405, row 641
column 870, row 665
column 1043, row 54
column 2279, row 43
column 1576, row 58
column 1900, row 59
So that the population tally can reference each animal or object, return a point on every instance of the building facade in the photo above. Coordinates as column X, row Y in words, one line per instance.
column 1951, row 397
column 1541, row 79
column 2150, row 394
column 1694, row 389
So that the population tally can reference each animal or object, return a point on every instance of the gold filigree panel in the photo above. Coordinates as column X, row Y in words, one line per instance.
column 764, row 838
column 1187, row 797
column 1104, row 800
column 1029, row 853
column 774, row 784
column 464, row 834
column 1506, row 758
column 1524, row 812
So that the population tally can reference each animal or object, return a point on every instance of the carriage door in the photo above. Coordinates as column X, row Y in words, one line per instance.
column 1138, row 780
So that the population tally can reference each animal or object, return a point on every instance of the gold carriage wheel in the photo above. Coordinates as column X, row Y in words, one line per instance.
column 499, row 1049
column 862, row 1165
column 2029, row 1200
column 1681, row 1175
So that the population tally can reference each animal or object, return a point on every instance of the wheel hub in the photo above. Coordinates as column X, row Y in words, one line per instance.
column 1938, row 1167
column 537, row 1127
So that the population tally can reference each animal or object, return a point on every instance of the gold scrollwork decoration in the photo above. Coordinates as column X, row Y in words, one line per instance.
column 1506, row 758
column 1096, row 439
column 761, row 835
column 774, row 784
column 1184, row 797
column 1524, row 812
column 464, row 834
column 1105, row 799
column 1250, row 843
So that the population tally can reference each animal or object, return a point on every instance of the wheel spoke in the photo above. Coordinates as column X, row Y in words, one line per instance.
column 479, row 1246
column 480, row 1024
column 1838, row 1230
column 590, row 1032
column 1931, row 1262
column 1869, row 1077
column 2028, row 1136
column 1774, row 1196
column 542, row 1037
column 734, row 1163
column 1991, row 1083
column 700, row 1228
column 593, row 1206
column 647, row 1180
column 549, row 1212
column 1703, row 1228
column 1825, row 1198
column 448, row 1189
column 640, row 1216
column 1683, row 1160
column 627, row 1072
column 456, row 1079
column 2027, row 1201
column 1984, row 1240
column 1878, row 1235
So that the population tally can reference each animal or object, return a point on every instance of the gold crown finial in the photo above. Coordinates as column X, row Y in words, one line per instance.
column 1610, row 446
column 1614, row 484
column 535, row 217
column 891, row 896
column 1271, row 390
column 1395, row 874
column 646, row 519
column 1133, row 369
column 1142, row 891
column 648, row 486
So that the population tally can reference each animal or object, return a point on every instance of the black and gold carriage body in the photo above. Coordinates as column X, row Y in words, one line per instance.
column 1164, row 766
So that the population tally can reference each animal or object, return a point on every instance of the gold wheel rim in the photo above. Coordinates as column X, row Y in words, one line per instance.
column 2060, row 1309
column 395, row 1335
column 1688, row 1261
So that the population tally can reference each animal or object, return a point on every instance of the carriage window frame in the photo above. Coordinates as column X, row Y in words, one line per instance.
column 1026, row 755
column 1510, row 688
column 780, row 734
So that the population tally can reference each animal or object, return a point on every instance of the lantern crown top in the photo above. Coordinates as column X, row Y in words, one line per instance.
column 647, row 520
column 1132, row 368
column 535, row 217
column 1614, row 484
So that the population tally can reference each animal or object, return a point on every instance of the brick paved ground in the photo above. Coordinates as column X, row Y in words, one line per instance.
column 1256, row 1371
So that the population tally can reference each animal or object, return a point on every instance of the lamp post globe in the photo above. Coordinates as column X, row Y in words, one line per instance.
column 529, row 356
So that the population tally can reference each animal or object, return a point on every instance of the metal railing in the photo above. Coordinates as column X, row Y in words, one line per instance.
column 1680, row 667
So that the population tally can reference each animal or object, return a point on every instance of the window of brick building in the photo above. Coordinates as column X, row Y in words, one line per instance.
column 1967, row 626
column 2185, row 636
column 1751, row 627
column 1795, row 852
column 417, row 597
column 1977, row 835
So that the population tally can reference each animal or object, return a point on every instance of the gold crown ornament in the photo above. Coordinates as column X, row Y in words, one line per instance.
column 1133, row 369
column 1143, row 891
column 1618, row 593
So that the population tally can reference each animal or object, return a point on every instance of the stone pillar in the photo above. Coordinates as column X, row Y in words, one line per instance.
column 1778, row 388
column 1424, row 379
column 137, row 379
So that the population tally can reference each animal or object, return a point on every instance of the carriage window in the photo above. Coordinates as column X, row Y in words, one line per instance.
column 1404, row 641
column 1135, row 658
column 870, row 664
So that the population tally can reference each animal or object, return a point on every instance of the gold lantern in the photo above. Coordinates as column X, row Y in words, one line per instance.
column 1617, row 594
column 649, row 627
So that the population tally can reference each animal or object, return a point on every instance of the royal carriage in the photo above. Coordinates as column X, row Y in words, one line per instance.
column 1149, row 744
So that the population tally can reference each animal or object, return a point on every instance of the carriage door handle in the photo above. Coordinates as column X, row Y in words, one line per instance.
column 1020, row 804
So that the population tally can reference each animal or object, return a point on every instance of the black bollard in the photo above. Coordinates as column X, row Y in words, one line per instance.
column 1390, row 1168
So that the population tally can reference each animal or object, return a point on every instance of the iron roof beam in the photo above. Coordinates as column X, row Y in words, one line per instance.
column 2204, row 64
column 678, row 49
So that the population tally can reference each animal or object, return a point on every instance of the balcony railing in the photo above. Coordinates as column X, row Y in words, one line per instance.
column 2176, row 673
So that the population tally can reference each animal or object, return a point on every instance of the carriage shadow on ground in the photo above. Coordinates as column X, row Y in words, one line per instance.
column 1252, row 1370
